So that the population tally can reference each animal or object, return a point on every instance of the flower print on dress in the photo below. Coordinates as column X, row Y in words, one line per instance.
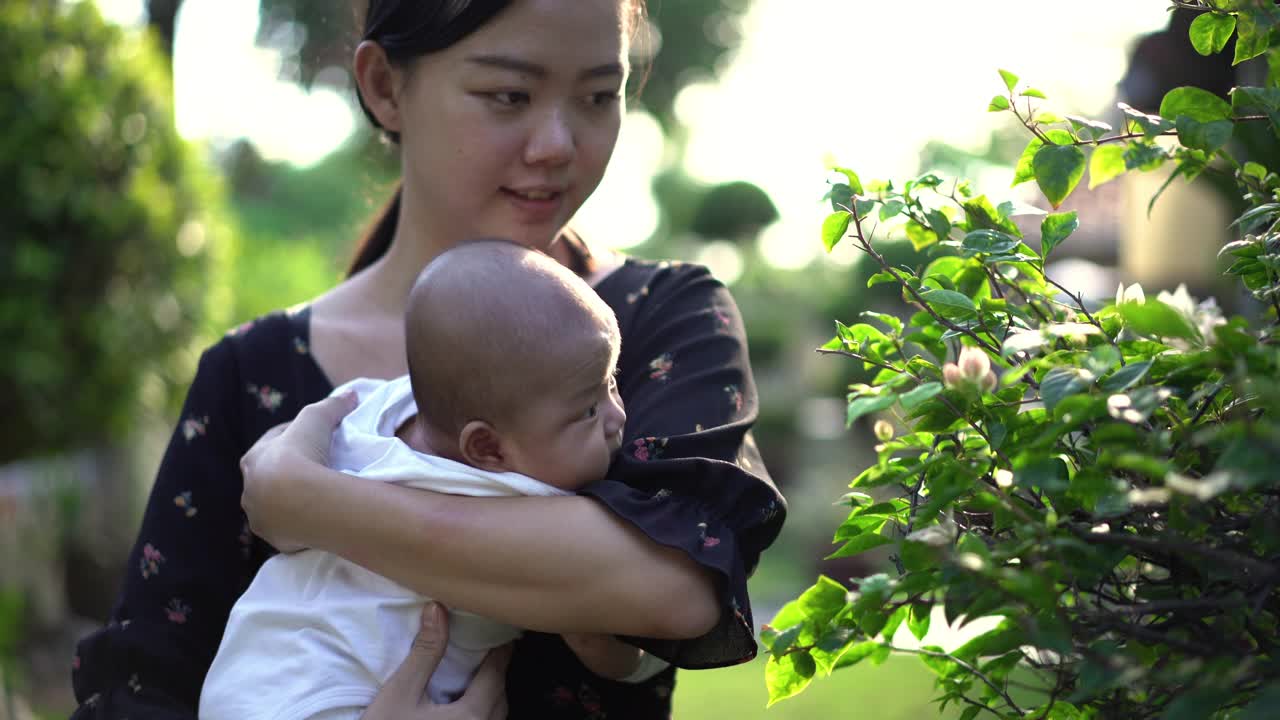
column 735, row 397
column 634, row 296
column 662, row 494
column 650, row 448
column 194, row 427
column 660, row 367
column 300, row 346
column 134, row 685
column 183, row 500
column 708, row 541
column 269, row 398
column 150, row 561
column 723, row 320
column 586, row 699
column 242, row 328
column 177, row 611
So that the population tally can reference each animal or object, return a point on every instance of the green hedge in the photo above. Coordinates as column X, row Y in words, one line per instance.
column 110, row 230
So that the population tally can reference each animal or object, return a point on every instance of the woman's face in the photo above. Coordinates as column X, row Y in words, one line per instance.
column 506, row 133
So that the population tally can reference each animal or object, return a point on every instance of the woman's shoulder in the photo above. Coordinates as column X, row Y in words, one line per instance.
column 638, row 279
column 276, row 338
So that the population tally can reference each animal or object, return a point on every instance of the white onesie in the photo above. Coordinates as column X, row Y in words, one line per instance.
column 316, row 634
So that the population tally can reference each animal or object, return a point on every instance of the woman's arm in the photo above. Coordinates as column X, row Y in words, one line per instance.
column 564, row 564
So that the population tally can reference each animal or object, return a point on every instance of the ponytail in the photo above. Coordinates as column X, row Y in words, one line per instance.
column 377, row 239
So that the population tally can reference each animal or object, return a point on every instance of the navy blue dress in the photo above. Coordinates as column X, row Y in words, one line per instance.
column 688, row 475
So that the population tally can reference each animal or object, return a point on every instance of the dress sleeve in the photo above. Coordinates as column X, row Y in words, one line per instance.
column 192, row 559
column 689, row 474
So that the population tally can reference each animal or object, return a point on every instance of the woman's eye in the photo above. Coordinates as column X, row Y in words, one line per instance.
column 605, row 99
column 510, row 99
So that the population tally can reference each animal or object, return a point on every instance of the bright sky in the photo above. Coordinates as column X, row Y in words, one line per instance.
column 859, row 82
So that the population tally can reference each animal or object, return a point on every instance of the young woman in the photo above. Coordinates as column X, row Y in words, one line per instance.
column 505, row 113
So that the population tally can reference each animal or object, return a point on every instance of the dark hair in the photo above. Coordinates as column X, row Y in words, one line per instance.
column 406, row 30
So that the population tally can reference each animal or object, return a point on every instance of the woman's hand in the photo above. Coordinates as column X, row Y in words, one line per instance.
column 273, row 465
column 403, row 696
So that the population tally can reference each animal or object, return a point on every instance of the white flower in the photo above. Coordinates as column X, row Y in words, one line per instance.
column 1133, row 293
column 971, row 370
column 1205, row 316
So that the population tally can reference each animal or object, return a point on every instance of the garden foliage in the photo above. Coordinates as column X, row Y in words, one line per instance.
column 1104, row 480
column 110, row 229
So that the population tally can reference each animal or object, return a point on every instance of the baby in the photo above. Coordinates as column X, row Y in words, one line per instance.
column 511, row 377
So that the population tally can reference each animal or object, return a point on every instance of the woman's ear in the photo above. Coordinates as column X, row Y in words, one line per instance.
column 482, row 447
column 379, row 83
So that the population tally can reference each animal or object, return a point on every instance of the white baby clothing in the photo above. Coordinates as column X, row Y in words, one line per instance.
column 315, row 633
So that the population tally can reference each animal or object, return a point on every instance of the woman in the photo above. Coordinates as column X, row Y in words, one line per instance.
column 505, row 113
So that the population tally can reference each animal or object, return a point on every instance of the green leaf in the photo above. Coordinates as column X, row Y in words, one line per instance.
column 915, row 397
column 1033, row 93
column 1251, row 38
column 1264, row 707
column 1152, row 125
column 939, row 223
column 981, row 214
column 1126, row 377
column 841, row 197
column 891, row 208
column 1106, row 164
column 891, row 321
column 1144, row 156
column 988, row 241
column 920, row 236
column 1154, row 318
column 834, row 228
column 855, row 654
column 998, row 103
column 1010, row 80
column 1061, row 383
column 1024, row 170
column 950, row 303
column 1084, row 126
column 860, row 544
column 1207, row 136
column 1199, row 704
column 1055, row 228
column 918, row 619
column 881, row 278
column 867, row 405
column 1058, row 170
column 1211, row 31
column 854, row 183
column 1005, row 637
column 788, row 675
column 1196, row 103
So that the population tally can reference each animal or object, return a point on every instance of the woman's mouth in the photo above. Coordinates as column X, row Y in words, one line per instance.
column 535, row 205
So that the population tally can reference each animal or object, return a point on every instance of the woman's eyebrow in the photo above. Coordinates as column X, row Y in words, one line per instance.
column 503, row 62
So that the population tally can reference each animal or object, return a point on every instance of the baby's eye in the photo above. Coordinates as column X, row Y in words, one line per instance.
column 591, row 412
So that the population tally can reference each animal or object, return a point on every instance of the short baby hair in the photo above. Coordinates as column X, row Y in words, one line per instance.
column 491, row 325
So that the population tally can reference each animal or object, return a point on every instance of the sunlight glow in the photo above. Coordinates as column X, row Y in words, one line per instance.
column 227, row 87
column 623, row 211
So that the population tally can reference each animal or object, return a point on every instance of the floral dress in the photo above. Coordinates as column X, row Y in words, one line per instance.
column 688, row 475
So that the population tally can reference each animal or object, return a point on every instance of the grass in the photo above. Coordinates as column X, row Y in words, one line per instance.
column 900, row 689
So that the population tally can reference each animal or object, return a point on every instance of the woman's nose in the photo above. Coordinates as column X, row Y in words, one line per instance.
column 551, row 141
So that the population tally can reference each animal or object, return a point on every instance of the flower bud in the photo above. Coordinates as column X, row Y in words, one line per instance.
column 951, row 375
column 884, row 430
column 974, row 364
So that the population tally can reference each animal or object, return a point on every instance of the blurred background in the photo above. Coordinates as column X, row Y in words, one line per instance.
column 177, row 167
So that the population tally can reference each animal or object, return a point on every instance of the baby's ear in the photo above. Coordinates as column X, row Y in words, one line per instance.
column 482, row 447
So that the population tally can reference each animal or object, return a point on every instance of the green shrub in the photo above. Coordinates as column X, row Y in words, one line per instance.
column 110, row 230
column 1101, row 478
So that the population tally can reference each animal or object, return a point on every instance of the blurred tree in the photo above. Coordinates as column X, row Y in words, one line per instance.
column 110, row 230
column 693, row 36
column 162, row 16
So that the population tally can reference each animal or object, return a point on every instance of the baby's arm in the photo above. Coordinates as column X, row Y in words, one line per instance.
column 609, row 657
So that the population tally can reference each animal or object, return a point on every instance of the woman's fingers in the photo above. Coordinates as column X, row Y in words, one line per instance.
column 311, row 430
column 410, row 679
column 486, row 696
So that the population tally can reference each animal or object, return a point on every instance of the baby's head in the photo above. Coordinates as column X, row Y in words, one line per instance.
column 511, row 358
